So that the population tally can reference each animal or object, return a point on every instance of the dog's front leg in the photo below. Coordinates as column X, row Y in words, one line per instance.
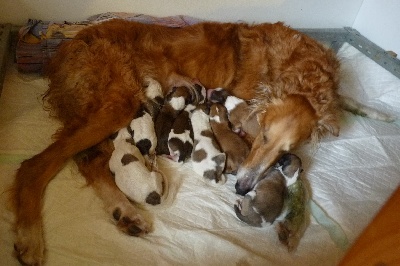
column 94, row 166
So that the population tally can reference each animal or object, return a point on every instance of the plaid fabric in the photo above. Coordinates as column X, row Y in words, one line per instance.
column 39, row 40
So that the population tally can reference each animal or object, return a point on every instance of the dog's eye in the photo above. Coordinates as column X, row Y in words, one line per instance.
column 265, row 139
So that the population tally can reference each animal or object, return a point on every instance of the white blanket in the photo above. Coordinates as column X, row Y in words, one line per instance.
column 350, row 177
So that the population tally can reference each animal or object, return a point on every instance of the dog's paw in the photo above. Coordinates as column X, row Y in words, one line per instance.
column 29, row 246
column 131, row 222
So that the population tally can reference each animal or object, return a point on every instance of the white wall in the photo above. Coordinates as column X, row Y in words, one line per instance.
column 379, row 21
column 297, row 13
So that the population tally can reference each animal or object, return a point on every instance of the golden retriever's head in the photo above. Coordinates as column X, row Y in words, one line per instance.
column 284, row 125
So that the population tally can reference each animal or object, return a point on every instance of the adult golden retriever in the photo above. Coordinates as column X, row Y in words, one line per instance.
column 97, row 85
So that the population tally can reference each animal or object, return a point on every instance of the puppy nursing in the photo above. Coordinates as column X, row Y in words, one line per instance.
column 235, row 148
column 144, row 136
column 216, row 135
column 180, row 138
column 131, row 174
column 174, row 103
column 155, row 97
column 207, row 158
column 134, row 153
column 243, row 120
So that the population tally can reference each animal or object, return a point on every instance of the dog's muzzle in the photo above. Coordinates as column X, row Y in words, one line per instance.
column 247, row 179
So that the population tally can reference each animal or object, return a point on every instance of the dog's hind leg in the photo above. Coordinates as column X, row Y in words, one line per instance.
column 34, row 174
column 94, row 165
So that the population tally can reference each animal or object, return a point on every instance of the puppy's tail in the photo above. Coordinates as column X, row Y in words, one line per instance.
column 360, row 109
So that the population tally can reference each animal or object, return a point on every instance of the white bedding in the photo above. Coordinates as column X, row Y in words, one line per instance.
column 350, row 178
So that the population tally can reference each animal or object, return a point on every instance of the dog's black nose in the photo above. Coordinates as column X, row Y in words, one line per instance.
column 240, row 191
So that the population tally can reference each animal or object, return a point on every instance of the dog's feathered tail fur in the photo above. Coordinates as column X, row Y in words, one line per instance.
column 360, row 109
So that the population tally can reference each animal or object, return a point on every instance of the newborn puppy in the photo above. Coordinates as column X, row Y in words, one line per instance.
column 207, row 158
column 142, row 127
column 131, row 175
column 174, row 103
column 180, row 139
column 144, row 136
column 217, row 95
column 200, row 94
column 243, row 121
column 265, row 202
column 155, row 97
column 235, row 148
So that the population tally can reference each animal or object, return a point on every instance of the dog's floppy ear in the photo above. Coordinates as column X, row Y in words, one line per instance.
column 260, row 116
column 264, row 126
column 329, row 124
column 333, row 129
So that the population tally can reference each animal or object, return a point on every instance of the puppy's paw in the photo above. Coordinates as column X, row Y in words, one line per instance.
column 238, row 209
column 131, row 222
column 238, row 205
column 29, row 246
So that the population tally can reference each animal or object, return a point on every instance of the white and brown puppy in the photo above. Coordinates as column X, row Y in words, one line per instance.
column 200, row 93
column 265, row 202
column 142, row 127
column 180, row 139
column 243, row 121
column 144, row 136
column 155, row 97
column 175, row 101
column 131, row 174
column 235, row 148
column 207, row 158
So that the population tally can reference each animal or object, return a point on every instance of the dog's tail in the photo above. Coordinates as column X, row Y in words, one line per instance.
column 360, row 109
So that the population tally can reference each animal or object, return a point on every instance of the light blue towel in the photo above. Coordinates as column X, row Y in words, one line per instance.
column 334, row 229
